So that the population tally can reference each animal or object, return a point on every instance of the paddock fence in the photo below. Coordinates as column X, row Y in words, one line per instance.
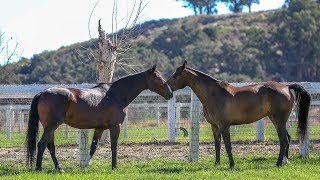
column 153, row 128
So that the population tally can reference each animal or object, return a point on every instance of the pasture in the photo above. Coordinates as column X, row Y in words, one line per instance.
column 146, row 154
column 144, row 151
column 247, row 167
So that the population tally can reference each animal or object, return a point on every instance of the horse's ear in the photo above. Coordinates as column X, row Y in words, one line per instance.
column 184, row 64
column 153, row 68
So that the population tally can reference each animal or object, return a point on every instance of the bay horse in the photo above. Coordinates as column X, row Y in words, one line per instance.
column 225, row 105
column 101, row 107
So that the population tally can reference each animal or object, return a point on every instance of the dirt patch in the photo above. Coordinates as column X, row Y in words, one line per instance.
column 151, row 151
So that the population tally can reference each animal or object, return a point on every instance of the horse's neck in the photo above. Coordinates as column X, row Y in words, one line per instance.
column 203, row 86
column 127, row 89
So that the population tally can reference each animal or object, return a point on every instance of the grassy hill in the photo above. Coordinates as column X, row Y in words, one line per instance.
column 282, row 45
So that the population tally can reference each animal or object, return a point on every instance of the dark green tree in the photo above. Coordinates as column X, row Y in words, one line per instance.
column 202, row 6
column 235, row 6
column 298, row 40
column 249, row 3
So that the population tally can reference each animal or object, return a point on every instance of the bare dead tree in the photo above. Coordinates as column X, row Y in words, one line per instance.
column 9, row 48
column 109, row 47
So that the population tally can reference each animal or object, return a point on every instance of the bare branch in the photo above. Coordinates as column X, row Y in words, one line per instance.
column 8, row 51
column 130, row 65
column 127, row 34
column 91, row 16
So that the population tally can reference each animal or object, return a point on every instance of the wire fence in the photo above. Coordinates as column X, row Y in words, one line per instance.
column 148, row 132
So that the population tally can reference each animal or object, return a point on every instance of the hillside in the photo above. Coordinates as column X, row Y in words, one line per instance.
column 282, row 45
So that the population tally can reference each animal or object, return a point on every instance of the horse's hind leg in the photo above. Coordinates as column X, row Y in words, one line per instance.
column 96, row 137
column 227, row 143
column 286, row 155
column 45, row 139
column 52, row 150
column 114, row 134
column 284, row 143
column 217, row 142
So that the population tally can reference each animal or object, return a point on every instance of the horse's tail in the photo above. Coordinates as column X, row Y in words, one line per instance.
column 33, row 128
column 303, row 103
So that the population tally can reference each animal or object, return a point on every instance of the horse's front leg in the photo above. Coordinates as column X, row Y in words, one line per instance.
column 217, row 142
column 96, row 137
column 227, row 143
column 114, row 135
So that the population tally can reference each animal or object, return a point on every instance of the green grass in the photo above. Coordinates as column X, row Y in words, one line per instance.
column 154, row 134
column 248, row 167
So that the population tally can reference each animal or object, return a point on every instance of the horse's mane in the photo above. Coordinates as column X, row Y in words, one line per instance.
column 204, row 75
column 102, row 86
column 113, row 85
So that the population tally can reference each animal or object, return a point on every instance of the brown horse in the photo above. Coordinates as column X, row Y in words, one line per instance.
column 97, row 108
column 225, row 105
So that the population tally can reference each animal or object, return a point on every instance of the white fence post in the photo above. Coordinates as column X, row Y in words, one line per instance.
column 8, row 122
column 66, row 133
column 172, row 118
column 304, row 146
column 177, row 128
column 260, row 130
column 194, row 134
column 83, row 139
column 20, row 121
column 125, row 127
column 158, row 114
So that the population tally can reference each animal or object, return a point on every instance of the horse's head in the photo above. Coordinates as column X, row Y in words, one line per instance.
column 157, row 84
column 179, row 79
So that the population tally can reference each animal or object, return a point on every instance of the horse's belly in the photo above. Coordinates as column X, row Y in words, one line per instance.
column 85, row 118
column 247, row 115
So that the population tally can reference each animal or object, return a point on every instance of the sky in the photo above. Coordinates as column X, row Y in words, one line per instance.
column 40, row 25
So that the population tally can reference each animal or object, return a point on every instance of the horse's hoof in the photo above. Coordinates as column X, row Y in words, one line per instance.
column 38, row 169
column 61, row 171
column 285, row 160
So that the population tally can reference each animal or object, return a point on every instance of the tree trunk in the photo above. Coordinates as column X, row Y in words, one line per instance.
column 107, row 57
column 105, row 67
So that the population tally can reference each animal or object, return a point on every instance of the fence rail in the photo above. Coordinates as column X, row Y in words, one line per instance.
column 153, row 113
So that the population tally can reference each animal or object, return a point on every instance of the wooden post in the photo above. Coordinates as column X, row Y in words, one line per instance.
column 83, row 139
column 194, row 135
column 260, row 130
column 8, row 122
column 125, row 127
column 172, row 118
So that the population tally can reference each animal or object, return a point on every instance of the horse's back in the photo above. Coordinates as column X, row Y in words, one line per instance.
column 255, row 101
column 53, row 104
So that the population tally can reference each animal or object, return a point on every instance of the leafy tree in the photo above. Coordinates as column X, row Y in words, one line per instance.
column 298, row 40
column 235, row 6
column 249, row 3
column 202, row 6
column 210, row 6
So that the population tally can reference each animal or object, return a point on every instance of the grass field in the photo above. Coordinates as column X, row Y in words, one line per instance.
column 155, row 134
column 248, row 167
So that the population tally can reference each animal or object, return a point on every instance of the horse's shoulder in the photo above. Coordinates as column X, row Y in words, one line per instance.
column 227, row 87
column 57, row 90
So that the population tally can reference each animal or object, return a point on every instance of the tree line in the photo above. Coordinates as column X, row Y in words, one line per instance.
column 210, row 6
column 280, row 45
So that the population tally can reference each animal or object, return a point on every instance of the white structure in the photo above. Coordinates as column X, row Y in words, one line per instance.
column 12, row 95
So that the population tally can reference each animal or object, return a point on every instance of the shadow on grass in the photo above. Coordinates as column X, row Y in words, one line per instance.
column 167, row 170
